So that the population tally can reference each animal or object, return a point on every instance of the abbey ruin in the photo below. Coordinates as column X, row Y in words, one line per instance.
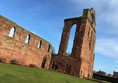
column 23, row 46
column 27, row 48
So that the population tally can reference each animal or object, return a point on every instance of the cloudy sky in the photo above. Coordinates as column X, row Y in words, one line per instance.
column 46, row 19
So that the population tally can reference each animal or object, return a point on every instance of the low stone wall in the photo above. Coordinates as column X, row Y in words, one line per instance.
column 105, row 78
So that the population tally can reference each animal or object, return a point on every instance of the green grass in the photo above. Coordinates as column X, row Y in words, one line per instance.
column 19, row 74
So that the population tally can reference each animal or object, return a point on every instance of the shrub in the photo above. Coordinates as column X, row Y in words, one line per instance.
column 32, row 65
column 2, row 60
column 14, row 62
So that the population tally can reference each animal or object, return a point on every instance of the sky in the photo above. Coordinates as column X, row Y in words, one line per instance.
column 46, row 19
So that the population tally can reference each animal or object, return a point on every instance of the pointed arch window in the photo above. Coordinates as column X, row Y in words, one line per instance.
column 27, row 39
column 44, row 62
column 91, row 18
column 48, row 49
column 39, row 44
column 11, row 32
column 71, row 39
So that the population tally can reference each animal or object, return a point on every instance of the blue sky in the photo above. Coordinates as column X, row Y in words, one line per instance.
column 46, row 19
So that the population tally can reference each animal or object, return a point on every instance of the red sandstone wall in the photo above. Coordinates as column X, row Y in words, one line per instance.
column 80, row 63
column 16, row 49
column 88, row 45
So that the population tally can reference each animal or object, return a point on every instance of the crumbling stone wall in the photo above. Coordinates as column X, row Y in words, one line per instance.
column 27, row 48
column 80, row 63
column 15, row 48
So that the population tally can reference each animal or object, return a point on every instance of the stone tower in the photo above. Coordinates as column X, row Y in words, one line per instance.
column 80, row 63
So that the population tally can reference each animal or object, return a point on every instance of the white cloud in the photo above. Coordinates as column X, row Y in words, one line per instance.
column 106, row 13
column 114, row 2
column 107, row 47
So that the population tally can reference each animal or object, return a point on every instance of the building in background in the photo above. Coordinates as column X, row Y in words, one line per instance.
column 115, row 74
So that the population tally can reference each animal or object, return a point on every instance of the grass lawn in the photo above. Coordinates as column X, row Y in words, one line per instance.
column 19, row 74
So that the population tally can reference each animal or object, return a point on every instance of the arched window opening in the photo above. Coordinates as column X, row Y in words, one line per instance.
column 27, row 39
column 44, row 62
column 88, row 75
column 71, row 39
column 91, row 18
column 12, row 31
column 39, row 44
column 48, row 49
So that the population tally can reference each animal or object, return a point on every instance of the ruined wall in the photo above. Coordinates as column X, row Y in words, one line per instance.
column 88, row 45
column 18, row 48
column 80, row 63
column 37, row 51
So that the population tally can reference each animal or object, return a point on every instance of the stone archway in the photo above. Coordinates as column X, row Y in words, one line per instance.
column 44, row 62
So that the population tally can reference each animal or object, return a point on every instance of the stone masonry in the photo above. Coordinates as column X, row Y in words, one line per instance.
column 28, row 49
column 80, row 62
column 23, row 46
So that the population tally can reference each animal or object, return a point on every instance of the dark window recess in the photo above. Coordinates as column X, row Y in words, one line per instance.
column 44, row 62
column 39, row 44
column 48, row 49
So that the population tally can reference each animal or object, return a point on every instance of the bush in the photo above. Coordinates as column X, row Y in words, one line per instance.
column 32, row 65
column 13, row 62
column 2, row 60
